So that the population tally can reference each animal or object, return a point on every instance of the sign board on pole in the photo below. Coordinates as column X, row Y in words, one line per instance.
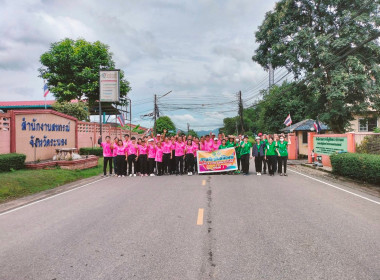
column 109, row 85
column 329, row 145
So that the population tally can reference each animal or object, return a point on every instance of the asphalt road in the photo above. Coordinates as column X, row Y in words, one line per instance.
column 146, row 228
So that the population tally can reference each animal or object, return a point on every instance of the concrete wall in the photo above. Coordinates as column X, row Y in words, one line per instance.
column 48, row 129
column 5, row 134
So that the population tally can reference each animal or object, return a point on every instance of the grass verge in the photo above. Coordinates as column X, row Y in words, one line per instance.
column 24, row 182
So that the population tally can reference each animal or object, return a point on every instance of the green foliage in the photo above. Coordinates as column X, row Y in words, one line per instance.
column 370, row 145
column 164, row 123
column 376, row 130
column 77, row 110
column 268, row 114
column 9, row 162
column 71, row 69
column 192, row 132
column 362, row 167
column 96, row 151
column 317, row 41
column 136, row 129
column 25, row 182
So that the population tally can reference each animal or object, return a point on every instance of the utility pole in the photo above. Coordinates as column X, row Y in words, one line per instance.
column 241, row 113
column 188, row 129
column 155, row 114
column 271, row 75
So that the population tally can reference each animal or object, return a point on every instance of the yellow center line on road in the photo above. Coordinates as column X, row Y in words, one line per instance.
column 203, row 182
column 200, row 217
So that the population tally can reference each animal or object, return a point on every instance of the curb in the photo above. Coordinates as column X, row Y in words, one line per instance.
column 18, row 202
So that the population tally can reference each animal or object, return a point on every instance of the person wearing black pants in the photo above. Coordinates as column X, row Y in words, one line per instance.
column 132, row 160
column 173, row 161
column 245, row 152
column 143, row 164
column 179, row 165
column 179, row 155
column 282, row 161
column 258, row 152
column 106, row 161
column 270, row 155
column 107, row 154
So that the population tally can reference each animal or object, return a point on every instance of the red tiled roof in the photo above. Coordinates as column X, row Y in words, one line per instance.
column 30, row 103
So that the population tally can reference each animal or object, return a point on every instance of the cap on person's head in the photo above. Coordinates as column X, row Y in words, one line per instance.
column 158, row 135
column 260, row 134
column 257, row 138
column 215, row 139
column 150, row 140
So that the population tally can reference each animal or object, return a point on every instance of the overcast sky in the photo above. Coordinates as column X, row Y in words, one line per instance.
column 201, row 50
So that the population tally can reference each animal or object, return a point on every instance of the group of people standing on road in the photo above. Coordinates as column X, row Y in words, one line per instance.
column 164, row 155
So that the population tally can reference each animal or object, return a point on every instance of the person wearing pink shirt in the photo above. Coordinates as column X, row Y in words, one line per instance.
column 151, row 156
column 132, row 157
column 158, row 159
column 189, row 157
column 126, row 141
column 215, row 145
column 107, row 155
column 121, row 154
column 167, row 150
column 115, row 140
column 195, row 149
column 142, row 155
column 173, row 168
column 179, row 155
column 209, row 144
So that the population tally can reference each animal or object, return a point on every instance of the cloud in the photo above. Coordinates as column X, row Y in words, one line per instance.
column 199, row 49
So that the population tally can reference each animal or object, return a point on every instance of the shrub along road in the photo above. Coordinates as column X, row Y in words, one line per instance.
column 199, row 227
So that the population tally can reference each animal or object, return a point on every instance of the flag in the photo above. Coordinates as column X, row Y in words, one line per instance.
column 288, row 120
column 121, row 119
column 317, row 126
column 46, row 90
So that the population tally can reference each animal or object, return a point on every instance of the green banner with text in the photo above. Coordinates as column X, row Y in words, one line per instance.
column 329, row 145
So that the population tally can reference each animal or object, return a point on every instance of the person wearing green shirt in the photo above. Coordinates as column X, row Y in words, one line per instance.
column 223, row 145
column 264, row 140
column 238, row 155
column 245, row 152
column 282, row 152
column 231, row 142
column 270, row 155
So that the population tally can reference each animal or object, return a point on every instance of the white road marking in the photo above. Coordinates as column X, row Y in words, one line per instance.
column 338, row 188
column 46, row 198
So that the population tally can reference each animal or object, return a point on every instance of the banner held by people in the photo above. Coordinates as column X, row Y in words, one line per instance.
column 217, row 161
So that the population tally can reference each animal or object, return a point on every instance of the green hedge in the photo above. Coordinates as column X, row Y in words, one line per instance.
column 364, row 167
column 11, row 161
column 96, row 151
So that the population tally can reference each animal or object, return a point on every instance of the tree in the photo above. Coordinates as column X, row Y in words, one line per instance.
column 330, row 45
column 78, row 110
column 71, row 69
column 164, row 123
column 136, row 129
column 289, row 98
column 192, row 132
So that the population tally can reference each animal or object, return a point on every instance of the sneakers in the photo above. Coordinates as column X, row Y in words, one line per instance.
column 285, row 174
column 146, row 175
column 122, row 175
column 134, row 175
column 189, row 173
column 119, row 176
column 258, row 174
column 130, row 175
column 152, row 175
column 282, row 174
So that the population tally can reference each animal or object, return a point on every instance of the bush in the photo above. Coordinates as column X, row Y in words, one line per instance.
column 10, row 162
column 370, row 145
column 96, row 151
column 364, row 167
